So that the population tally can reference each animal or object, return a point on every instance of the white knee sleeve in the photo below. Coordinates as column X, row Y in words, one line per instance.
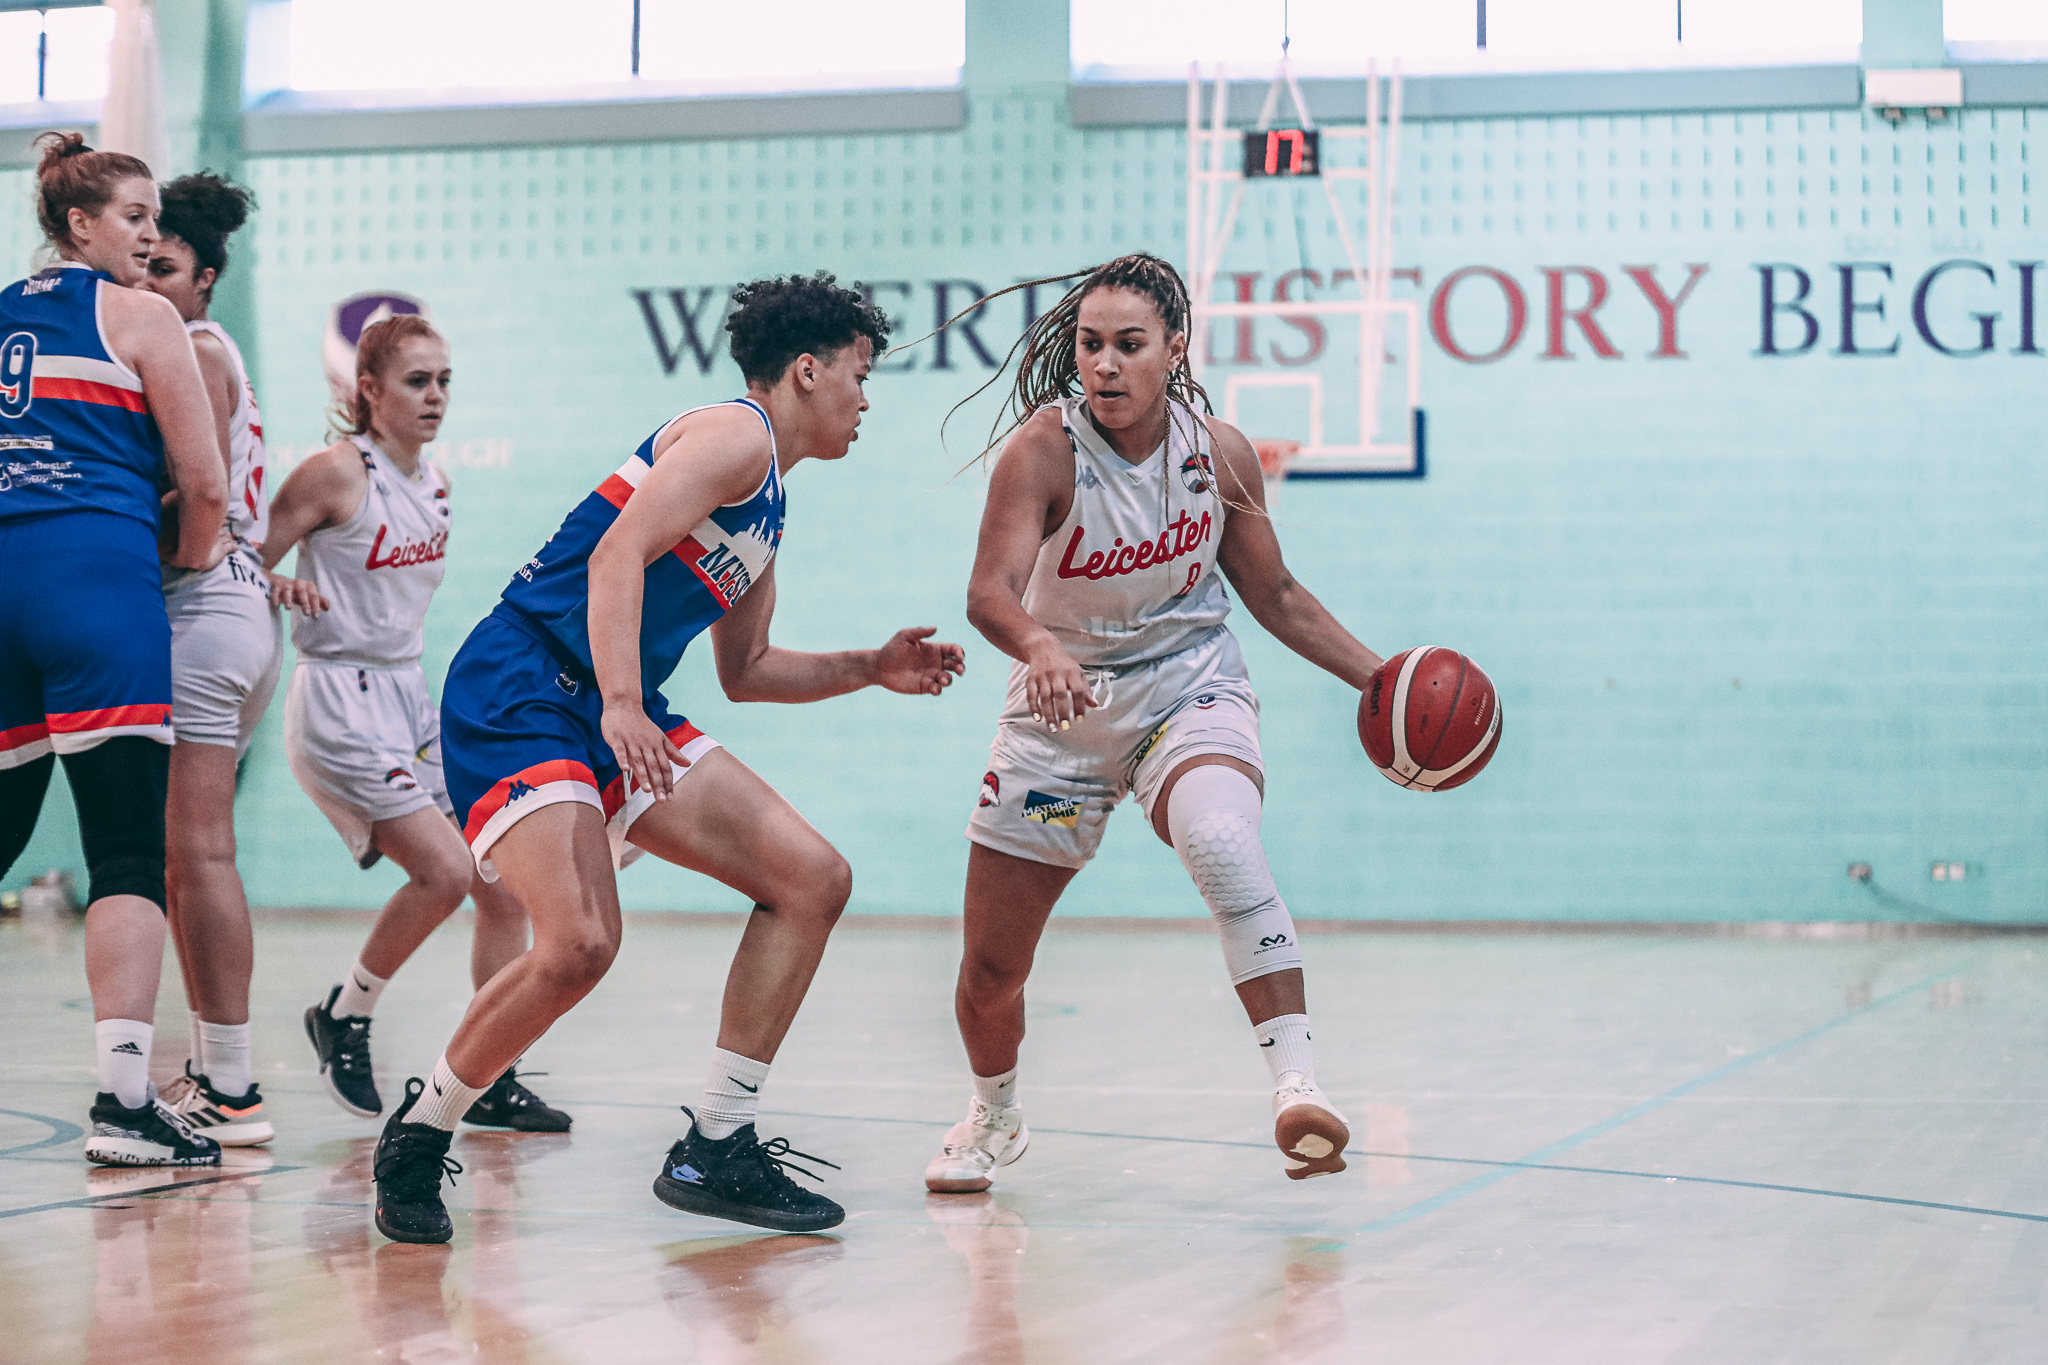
column 1213, row 817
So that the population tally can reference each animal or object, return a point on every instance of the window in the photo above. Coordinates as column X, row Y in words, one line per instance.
column 1991, row 29
column 544, row 45
column 75, row 67
column 1154, row 39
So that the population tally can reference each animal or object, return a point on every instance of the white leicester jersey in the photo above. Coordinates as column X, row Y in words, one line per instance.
column 1130, row 575
column 248, row 496
column 379, row 568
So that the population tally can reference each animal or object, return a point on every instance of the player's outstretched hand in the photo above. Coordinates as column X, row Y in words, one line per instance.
column 296, row 594
column 644, row 753
column 914, row 662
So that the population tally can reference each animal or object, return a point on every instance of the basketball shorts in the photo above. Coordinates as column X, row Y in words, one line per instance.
column 521, row 729
column 1047, row 795
column 365, row 744
column 227, row 643
column 85, row 646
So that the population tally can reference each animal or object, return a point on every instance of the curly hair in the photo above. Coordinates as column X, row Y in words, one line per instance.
column 203, row 211
column 776, row 320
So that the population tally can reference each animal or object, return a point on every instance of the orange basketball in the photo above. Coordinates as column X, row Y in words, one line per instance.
column 1430, row 720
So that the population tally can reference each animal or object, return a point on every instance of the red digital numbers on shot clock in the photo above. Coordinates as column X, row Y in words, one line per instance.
column 1283, row 151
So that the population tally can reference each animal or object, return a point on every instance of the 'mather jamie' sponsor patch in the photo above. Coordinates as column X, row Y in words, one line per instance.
column 1064, row 811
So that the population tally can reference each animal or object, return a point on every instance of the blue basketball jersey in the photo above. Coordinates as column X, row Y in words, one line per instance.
column 686, row 590
column 75, row 429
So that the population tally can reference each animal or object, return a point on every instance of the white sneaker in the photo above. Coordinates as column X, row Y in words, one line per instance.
column 230, row 1120
column 1308, row 1128
column 987, row 1138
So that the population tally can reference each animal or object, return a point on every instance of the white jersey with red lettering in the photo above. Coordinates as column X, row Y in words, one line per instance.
column 1130, row 575
column 379, row 568
column 248, row 495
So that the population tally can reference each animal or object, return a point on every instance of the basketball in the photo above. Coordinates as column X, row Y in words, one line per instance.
column 1430, row 720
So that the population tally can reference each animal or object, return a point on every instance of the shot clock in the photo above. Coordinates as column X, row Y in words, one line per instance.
column 1283, row 151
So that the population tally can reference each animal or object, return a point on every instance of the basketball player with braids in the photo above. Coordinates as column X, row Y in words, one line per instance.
column 226, row 645
column 1114, row 514
column 99, row 400
column 370, row 516
column 566, row 762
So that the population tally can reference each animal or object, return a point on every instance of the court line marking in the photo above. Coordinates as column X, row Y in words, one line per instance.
column 1633, row 1112
column 87, row 1201
column 61, row 1132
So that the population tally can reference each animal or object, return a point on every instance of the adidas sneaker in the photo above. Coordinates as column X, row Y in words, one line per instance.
column 151, row 1134
column 230, row 1120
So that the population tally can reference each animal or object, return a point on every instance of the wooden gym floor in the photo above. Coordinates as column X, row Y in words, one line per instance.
column 1568, row 1147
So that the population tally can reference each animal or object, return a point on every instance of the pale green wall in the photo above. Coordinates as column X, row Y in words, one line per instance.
column 1752, row 616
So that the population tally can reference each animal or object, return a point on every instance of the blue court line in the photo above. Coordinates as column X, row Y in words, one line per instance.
column 1629, row 1115
column 60, row 1132
column 88, row 1201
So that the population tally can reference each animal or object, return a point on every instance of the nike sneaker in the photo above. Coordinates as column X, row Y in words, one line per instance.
column 148, row 1135
column 974, row 1147
column 744, row 1180
column 1308, row 1128
column 343, row 1046
column 411, row 1158
column 509, row 1104
column 230, row 1120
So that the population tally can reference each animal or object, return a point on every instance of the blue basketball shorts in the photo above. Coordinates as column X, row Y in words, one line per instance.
column 519, row 731
column 85, row 642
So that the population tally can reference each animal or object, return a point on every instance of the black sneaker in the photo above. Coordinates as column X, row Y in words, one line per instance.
column 151, row 1135
column 410, row 1160
column 508, row 1104
column 343, row 1046
column 741, row 1178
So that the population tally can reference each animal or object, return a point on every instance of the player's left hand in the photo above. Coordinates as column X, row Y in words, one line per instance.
column 914, row 662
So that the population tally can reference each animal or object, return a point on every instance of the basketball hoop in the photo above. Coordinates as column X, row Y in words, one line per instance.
column 1274, row 457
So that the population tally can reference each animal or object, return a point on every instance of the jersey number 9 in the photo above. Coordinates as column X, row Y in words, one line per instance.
column 17, row 374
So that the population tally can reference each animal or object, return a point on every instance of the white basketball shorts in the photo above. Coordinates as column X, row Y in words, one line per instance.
column 227, row 643
column 365, row 744
column 1047, row 795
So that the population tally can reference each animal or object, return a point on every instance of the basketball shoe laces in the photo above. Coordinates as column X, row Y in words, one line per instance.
column 983, row 1116
column 773, row 1156
column 174, row 1120
column 412, row 1165
column 352, row 1053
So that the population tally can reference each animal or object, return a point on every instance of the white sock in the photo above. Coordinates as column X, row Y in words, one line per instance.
column 192, row 1022
column 124, row 1059
column 359, row 992
column 997, row 1092
column 446, row 1099
column 732, row 1090
column 224, row 1057
column 1284, row 1043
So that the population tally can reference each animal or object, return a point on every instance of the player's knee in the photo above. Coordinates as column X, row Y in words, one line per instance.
column 985, row 978
column 815, row 885
column 119, row 788
column 443, row 878
column 574, row 964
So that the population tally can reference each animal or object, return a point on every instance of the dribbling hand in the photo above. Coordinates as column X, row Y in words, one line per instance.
column 646, row 755
column 915, row 663
column 1055, row 688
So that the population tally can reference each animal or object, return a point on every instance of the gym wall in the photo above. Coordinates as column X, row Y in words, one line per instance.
column 1757, row 567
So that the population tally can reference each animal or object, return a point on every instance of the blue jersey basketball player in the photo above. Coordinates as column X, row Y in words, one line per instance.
column 565, row 762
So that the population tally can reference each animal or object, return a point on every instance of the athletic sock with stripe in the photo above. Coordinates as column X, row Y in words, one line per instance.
column 732, row 1092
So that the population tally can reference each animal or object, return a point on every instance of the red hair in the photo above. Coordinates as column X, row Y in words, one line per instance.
column 375, row 350
column 72, row 175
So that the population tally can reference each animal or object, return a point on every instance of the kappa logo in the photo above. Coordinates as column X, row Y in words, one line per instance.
column 400, row 780
column 1151, row 741
column 517, row 790
column 991, row 789
column 1276, row 941
column 1197, row 473
column 1064, row 811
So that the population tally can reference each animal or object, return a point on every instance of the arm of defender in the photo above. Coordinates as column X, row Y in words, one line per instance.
column 1249, row 556
column 1029, row 495
column 702, row 462
column 155, row 344
column 751, row 669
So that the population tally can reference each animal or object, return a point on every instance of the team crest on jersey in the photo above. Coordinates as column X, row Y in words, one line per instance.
column 1197, row 473
column 991, row 790
column 1064, row 811
column 1205, row 702
column 400, row 780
